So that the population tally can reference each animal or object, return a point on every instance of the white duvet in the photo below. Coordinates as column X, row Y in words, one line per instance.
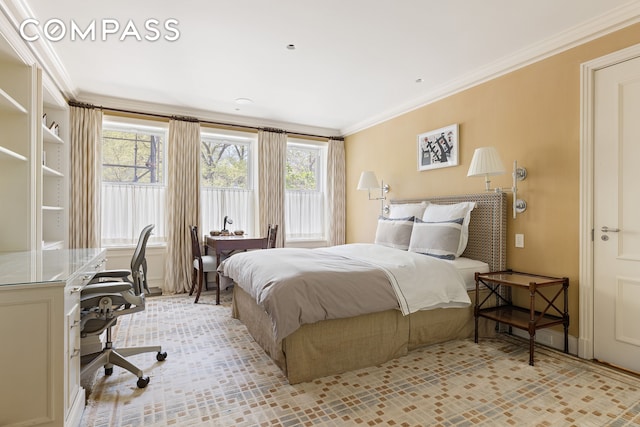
column 302, row 286
column 420, row 282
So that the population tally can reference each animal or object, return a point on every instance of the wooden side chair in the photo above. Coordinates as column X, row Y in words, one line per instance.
column 272, row 233
column 202, row 264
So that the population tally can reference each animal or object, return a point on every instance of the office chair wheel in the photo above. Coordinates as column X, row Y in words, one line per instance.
column 161, row 356
column 108, row 371
column 143, row 382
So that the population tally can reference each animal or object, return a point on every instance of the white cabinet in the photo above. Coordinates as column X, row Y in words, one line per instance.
column 39, row 329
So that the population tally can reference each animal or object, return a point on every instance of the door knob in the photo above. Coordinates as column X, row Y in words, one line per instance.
column 606, row 229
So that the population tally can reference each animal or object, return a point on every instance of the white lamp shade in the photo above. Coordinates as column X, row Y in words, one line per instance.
column 486, row 161
column 368, row 180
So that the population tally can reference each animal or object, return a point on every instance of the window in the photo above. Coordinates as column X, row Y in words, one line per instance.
column 133, row 182
column 132, row 156
column 305, row 191
column 226, row 181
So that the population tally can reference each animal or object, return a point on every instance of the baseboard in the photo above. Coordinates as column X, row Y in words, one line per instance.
column 550, row 338
column 154, row 291
column 74, row 415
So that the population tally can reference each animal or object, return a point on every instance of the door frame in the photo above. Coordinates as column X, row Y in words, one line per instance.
column 587, row 144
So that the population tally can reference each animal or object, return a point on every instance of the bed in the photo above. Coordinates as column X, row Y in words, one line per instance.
column 332, row 346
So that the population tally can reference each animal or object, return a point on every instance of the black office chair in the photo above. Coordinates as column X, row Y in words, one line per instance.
column 110, row 295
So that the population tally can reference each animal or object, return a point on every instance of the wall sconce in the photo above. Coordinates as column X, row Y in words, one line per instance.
column 369, row 181
column 486, row 162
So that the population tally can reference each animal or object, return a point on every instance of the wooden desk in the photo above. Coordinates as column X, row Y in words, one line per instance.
column 228, row 245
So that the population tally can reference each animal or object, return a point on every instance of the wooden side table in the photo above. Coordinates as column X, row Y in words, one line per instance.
column 528, row 319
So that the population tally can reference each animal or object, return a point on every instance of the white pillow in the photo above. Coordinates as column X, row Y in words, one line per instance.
column 439, row 239
column 395, row 233
column 437, row 213
column 405, row 210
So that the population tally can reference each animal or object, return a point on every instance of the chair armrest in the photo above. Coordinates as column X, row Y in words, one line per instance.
column 106, row 288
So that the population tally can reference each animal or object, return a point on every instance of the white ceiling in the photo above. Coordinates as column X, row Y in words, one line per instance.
column 356, row 62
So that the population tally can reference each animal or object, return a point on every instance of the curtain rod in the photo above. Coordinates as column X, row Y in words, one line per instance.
column 194, row 119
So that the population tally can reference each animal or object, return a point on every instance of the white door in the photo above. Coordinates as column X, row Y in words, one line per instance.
column 617, row 215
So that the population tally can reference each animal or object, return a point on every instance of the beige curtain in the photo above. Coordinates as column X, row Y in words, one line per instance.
column 336, row 192
column 86, row 160
column 272, row 162
column 183, row 202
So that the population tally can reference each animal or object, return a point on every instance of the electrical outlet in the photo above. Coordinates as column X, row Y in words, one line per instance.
column 519, row 240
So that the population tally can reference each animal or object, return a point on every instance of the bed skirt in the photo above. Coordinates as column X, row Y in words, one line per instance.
column 334, row 346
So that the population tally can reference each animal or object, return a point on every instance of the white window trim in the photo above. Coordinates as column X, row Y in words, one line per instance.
column 134, row 123
column 141, row 126
column 323, row 146
column 252, row 162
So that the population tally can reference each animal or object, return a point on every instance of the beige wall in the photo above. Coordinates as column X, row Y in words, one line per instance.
column 531, row 115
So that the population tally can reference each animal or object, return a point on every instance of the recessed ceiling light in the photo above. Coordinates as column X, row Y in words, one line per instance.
column 291, row 46
column 419, row 80
column 244, row 101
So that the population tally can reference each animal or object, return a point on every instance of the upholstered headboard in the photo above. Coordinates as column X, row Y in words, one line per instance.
column 487, row 229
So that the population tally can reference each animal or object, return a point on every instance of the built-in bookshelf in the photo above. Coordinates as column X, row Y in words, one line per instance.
column 5, row 154
column 44, row 297
column 33, row 155
column 17, row 187
column 55, row 167
column 7, row 103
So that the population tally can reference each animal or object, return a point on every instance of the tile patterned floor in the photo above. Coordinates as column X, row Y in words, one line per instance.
column 215, row 375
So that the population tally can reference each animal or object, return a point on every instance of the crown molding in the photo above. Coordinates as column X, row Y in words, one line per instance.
column 10, row 34
column 41, row 50
column 613, row 20
column 203, row 115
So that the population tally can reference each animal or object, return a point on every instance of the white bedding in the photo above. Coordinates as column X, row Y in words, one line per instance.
column 420, row 282
column 302, row 286
column 467, row 268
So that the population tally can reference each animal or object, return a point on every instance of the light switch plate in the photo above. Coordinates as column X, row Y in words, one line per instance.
column 519, row 240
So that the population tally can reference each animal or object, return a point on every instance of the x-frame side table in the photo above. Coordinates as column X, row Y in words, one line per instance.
column 528, row 319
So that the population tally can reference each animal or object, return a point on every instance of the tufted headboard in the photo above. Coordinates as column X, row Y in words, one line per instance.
column 487, row 229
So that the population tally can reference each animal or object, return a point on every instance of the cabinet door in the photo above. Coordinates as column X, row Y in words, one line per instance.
column 72, row 357
column 31, row 374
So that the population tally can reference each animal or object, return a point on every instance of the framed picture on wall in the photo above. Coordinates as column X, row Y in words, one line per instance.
column 438, row 148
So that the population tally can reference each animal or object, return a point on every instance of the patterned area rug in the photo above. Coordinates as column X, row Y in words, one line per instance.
column 216, row 375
